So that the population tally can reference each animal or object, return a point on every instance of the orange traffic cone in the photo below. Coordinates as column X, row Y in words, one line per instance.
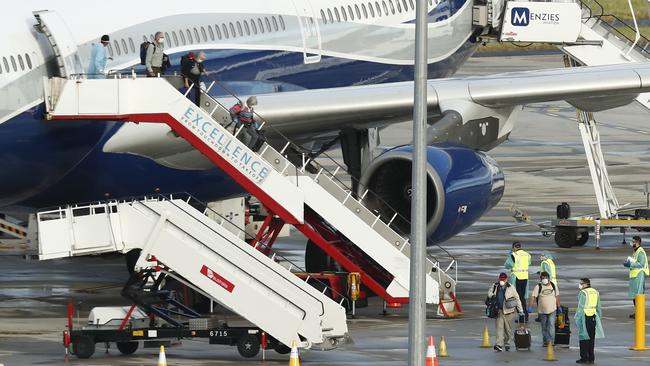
column 162, row 359
column 432, row 360
column 294, row 359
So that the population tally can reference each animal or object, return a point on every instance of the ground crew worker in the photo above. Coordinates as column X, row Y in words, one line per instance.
column 548, row 265
column 588, row 320
column 507, row 301
column 518, row 262
column 638, row 265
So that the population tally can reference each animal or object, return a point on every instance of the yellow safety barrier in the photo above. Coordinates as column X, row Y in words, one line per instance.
column 639, row 323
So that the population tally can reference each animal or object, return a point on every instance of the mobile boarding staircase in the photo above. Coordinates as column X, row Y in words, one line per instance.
column 179, row 240
column 316, row 203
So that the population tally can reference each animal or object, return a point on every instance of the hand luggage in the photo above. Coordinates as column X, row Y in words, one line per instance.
column 562, row 327
column 522, row 338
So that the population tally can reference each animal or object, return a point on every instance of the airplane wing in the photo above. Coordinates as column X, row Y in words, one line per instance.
column 318, row 115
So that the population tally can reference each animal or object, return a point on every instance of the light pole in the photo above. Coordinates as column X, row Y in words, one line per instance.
column 417, row 290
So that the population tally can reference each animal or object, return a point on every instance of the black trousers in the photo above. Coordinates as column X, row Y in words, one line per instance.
column 587, row 346
column 521, row 285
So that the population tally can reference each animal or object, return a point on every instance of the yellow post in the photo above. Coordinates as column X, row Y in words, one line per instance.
column 639, row 323
column 486, row 338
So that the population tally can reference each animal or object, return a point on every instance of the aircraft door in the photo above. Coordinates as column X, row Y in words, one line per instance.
column 62, row 41
column 310, row 30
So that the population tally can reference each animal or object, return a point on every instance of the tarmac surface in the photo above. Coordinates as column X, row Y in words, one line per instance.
column 544, row 164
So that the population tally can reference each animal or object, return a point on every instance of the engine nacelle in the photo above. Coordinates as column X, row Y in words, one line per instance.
column 462, row 185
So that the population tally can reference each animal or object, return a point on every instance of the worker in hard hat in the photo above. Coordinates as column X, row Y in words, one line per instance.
column 638, row 265
column 588, row 320
column 518, row 262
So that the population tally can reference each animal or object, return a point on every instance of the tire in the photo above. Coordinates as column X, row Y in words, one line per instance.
column 565, row 237
column 132, row 257
column 127, row 348
column 282, row 349
column 83, row 346
column 248, row 346
column 582, row 238
column 316, row 260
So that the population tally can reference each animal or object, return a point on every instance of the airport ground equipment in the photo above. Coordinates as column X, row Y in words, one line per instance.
column 290, row 185
column 157, row 317
column 177, row 238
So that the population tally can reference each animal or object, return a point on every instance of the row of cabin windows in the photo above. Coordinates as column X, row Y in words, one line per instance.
column 369, row 11
column 205, row 33
column 22, row 62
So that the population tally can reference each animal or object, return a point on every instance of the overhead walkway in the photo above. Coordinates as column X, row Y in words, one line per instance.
column 327, row 213
column 177, row 238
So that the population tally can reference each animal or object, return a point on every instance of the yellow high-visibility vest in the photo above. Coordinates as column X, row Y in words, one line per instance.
column 591, row 301
column 551, row 265
column 522, row 262
column 635, row 271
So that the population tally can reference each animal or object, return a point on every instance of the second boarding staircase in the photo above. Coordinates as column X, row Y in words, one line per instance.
column 206, row 254
column 315, row 203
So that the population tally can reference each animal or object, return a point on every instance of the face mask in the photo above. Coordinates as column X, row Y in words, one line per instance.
column 579, row 286
column 502, row 283
column 161, row 40
column 545, row 281
column 199, row 60
column 632, row 244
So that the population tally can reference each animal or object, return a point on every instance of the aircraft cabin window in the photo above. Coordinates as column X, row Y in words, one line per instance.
column 406, row 7
column 254, row 26
column 232, row 30
column 260, row 25
column 239, row 29
column 168, row 39
column 392, row 7
column 132, row 45
column 365, row 11
column 1, row 69
column 225, row 31
column 329, row 16
column 268, row 24
column 399, row 6
column 275, row 24
column 336, row 12
column 247, row 28
column 322, row 15
column 180, row 32
column 196, row 35
column 385, row 7
column 351, row 12
column 145, row 39
column 218, row 31
column 189, row 36
column 13, row 63
column 356, row 8
column 126, row 50
column 204, row 34
column 344, row 14
column 21, row 62
column 4, row 60
column 371, row 9
column 378, row 8
column 117, row 47
column 175, row 38
column 412, row 5
column 110, row 50
column 211, row 33
column 282, row 25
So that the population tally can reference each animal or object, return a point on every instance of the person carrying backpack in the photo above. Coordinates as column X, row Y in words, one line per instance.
column 192, row 69
column 547, row 297
column 154, row 55
column 504, row 299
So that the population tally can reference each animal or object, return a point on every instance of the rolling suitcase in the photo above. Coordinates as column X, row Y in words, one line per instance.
column 563, row 327
column 522, row 338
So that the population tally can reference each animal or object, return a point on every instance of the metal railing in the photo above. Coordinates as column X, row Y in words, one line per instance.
column 595, row 10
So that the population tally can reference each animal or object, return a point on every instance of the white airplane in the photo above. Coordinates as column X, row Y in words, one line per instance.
column 326, row 72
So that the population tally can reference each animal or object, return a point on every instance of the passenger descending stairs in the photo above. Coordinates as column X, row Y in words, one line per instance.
column 316, row 204
column 206, row 254
column 617, row 46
